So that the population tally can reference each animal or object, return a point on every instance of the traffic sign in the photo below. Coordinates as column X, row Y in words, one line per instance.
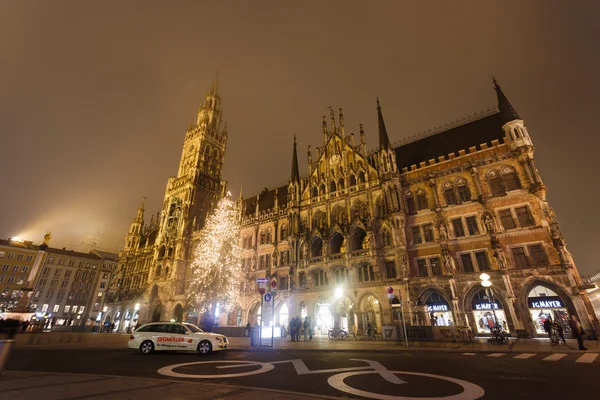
column 261, row 290
column 262, row 280
column 267, row 297
column 273, row 283
column 389, row 290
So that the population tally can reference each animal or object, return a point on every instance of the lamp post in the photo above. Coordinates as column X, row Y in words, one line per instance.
column 487, row 284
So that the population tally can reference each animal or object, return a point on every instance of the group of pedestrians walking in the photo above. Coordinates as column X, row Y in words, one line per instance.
column 296, row 325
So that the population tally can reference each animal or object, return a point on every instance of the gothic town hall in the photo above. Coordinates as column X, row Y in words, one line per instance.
column 426, row 216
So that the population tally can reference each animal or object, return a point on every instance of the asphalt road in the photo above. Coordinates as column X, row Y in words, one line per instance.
column 321, row 372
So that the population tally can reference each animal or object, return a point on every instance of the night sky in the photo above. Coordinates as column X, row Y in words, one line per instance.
column 95, row 98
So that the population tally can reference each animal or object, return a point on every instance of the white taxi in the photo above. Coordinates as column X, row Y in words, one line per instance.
column 157, row 336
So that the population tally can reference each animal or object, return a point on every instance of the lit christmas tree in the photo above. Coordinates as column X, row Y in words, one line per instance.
column 216, row 268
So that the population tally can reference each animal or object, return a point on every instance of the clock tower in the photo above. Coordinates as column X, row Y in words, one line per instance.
column 191, row 195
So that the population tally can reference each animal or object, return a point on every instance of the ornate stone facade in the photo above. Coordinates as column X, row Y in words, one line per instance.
column 426, row 216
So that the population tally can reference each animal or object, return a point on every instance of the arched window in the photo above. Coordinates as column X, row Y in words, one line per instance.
column 322, row 189
column 464, row 194
column 510, row 179
column 449, row 194
column 410, row 203
column 283, row 232
column 387, row 238
column 332, row 187
column 422, row 201
column 381, row 208
column 352, row 180
column 361, row 177
column 269, row 236
column 263, row 237
column 158, row 270
column 315, row 192
column 495, row 182
column 341, row 184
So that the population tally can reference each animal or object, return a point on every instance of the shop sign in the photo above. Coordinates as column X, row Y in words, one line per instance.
column 437, row 307
column 545, row 302
column 480, row 305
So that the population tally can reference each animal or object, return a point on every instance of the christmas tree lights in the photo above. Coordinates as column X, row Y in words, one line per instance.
column 216, row 268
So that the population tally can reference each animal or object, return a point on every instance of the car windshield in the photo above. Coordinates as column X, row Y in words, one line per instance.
column 193, row 328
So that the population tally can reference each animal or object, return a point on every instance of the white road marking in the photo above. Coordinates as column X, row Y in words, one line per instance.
column 470, row 390
column 555, row 357
column 525, row 356
column 264, row 367
column 469, row 354
column 496, row 354
column 587, row 358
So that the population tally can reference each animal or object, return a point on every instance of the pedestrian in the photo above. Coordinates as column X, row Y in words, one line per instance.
column 293, row 329
column 112, row 328
column 247, row 330
column 559, row 331
column 577, row 331
column 368, row 330
column 306, row 328
column 548, row 327
column 310, row 329
column 298, row 327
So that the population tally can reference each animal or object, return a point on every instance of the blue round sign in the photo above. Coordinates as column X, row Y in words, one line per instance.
column 268, row 297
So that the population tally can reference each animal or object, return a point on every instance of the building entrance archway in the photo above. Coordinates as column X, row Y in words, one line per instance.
column 488, row 312
column 371, row 313
column 439, row 311
column 544, row 303
column 156, row 313
column 178, row 313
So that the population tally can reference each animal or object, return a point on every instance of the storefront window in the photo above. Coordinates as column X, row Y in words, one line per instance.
column 488, row 313
column 440, row 313
column 545, row 304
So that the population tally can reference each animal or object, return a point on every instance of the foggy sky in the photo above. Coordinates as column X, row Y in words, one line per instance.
column 96, row 96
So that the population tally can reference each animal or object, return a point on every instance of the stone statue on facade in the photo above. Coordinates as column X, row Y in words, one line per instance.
column 447, row 260
column 489, row 224
column 443, row 231
column 500, row 259
column 47, row 238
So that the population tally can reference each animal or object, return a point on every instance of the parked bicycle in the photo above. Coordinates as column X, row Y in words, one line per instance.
column 499, row 336
column 337, row 333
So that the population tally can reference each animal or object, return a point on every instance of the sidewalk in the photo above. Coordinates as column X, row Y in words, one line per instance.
column 56, row 386
column 322, row 343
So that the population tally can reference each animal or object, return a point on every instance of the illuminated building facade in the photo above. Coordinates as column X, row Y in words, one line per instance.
column 426, row 216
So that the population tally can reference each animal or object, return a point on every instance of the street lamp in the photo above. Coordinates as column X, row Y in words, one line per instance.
column 338, row 292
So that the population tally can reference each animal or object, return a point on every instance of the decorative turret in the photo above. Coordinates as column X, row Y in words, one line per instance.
column 512, row 124
column 132, row 240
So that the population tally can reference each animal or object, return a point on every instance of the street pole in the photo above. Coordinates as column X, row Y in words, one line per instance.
column 403, row 320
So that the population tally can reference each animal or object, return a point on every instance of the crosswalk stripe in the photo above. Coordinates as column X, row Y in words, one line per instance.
column 496, row 354
column 587, row 358
column 525, row 356
column 469, row 354
column 555, row 357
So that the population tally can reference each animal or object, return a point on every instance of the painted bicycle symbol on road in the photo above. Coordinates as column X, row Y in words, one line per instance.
column 470, row 391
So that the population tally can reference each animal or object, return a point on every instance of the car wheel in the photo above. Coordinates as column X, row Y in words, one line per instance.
column 146, row 347
column 204, row 347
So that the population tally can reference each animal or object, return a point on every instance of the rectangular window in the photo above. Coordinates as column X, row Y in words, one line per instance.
column 60, row 295
column 422, row 264
column 64, row 284
column 302, row 279
column 261, row 262
column 507, row 220
column 428, row 232
column 459, row 230
column 416, row 232
column 5, row 267
column 410, row 204
column 43, row 282
column 96, row 306
column 537, row 254
column 54, row 283
column 512, row 181
column 519, row 257
column 15, row 268
column 67, row 309
column 50, row 294
column 496, row 186
column 102, row 285
column 482, row 261
column 450, row 196
column 50, row 260
column 10, row 280
column 283, row 283
column 1, row 278
column 29, row 258
column 268, row 261
column 57, row 272
column 77, row 275
column 74, row 309
column 44, row 307
column 67, row 274
column 20, row 257
column 25, row 269
column 524, row 216
column 56, row 308
column 99, row 294
column 422, row 202
column 390, row 269
column 467, row 262
column 46, row 271
column 436, row 267
column 11, row 256
column 472, row 226
column 71, row 263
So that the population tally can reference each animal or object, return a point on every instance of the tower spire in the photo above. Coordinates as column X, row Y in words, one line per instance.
column 295, row 172
column 140, row 213
column 215, row 84
column 507, row 112
column 384, row 141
